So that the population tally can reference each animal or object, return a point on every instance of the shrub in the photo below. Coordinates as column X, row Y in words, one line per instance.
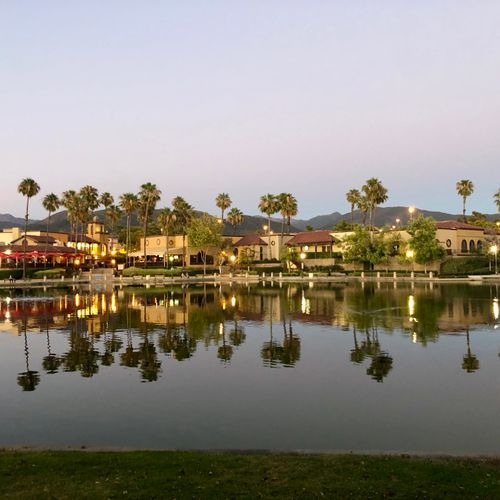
column 50, row 273
column 463, row 266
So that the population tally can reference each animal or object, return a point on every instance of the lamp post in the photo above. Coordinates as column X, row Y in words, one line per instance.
column 494, row 251
column 411, row 211
column 302, row 257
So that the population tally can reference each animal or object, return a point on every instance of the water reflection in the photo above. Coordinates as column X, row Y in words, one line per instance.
column 141, row 329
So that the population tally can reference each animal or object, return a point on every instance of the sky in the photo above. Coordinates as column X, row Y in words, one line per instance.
column 251, row 97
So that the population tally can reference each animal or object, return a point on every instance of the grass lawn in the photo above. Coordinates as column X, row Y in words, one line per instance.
column 165, row 474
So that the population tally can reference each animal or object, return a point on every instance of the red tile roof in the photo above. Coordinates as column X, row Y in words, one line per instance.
column 311, row 238
column 454, row 224
column 250, row 240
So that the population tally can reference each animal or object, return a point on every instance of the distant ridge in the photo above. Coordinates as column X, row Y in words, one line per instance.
column 384, row 216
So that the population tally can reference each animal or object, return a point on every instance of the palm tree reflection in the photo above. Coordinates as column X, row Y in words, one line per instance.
column 29, row 379
column 470, row 363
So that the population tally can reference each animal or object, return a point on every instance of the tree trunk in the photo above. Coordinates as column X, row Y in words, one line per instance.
column 25, row 242
column 269, row 235
column 127, row 238
column 46, row 241
column 145, row 232
column 167, row 246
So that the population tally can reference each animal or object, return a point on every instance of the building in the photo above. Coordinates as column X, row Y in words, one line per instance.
column 459, row 238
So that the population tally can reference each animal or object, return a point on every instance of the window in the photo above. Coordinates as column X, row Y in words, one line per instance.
column 472, row 246
column 464, row 246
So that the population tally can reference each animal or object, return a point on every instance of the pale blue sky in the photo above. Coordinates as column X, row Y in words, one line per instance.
column 250, row 97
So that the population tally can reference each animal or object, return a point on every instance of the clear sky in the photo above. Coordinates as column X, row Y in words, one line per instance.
column 249, row 97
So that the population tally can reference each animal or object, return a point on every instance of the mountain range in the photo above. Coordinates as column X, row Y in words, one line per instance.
column 253, row 223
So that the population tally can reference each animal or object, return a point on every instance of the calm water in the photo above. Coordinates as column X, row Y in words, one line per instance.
column 323, row 367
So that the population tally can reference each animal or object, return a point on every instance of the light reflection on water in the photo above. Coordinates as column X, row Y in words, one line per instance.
column 372, row 367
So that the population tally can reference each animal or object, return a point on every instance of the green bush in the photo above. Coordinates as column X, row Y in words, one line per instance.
column 158, row 271
column 50, row 273
column 463, row 266
column 17, row 274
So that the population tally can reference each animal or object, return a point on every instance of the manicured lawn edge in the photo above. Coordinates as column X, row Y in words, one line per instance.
column 183, row 474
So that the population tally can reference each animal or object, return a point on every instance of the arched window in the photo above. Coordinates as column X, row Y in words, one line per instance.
column 472, row 246
column 464, row 246
column 479, row 246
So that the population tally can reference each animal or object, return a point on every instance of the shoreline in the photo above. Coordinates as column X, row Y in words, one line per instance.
column 246, row 280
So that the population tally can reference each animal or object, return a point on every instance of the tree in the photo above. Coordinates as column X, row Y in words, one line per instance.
column 165, row 219
column 235, row 218
column 114, row 214
column 375, row 194
column 353, row 196
column 223, row 201
column 51, row 203
column 128, row 203
column 496, row 198
column 470, row 363
column 29, row 188
column 106, row 200
column 268, row 205
column 426, row 248
column 183, row 213
column 69, row 200
column 464, row 189
column 287, row 204
column 363, row 248
column 90, row 202
column 204, row 233
column 149, row 195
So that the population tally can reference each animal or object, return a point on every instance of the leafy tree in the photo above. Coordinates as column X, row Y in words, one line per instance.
column 114, row 214
column 29, row 188
column 288, row 208
column 106, row 200
column 51, row 203
column 128, row 203
column 496, row 198
column 235, row 218
column 375, row 194
column 423, row 241
column 204, row 233
column 223, row 201
column 363, row 247
column 353, row 196
column 149, row 196
column 184, row 214
column 464, row 188
column 269, row 205
column 165, row 219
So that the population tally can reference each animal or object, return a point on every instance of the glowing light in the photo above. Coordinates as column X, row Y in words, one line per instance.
column 232, row 258
column 77, row 300
column 411, row 305
column 305, row 305
column 233, row 301
column 496, row 309
column 302, row 255
column 414, row 337
column 113, row 303
column 409, row 254
column 221, row 328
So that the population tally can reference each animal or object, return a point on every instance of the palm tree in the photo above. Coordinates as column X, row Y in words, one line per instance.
column 288, row 208
column 183, row 213
column 375, row 194
column 470, row 362
column 268, row 205
column 114, row 214
column 51, row 203
column 165, row 219
column 69, row 202
column 464, row 189
column 149, row 196
column 223, row 201
column 496, row 197
column 29, row 188
column 128, row 203
column 363, row 207
column 106, row 200
column 353, row 196
column 235, row 218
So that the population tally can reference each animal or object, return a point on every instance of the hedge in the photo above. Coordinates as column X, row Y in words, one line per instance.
column 464, row 266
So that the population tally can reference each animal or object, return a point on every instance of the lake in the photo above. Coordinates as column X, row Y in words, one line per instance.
column 319, row 367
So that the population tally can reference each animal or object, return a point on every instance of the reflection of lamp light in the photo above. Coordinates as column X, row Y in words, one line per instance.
column 411, row 305
column 494, row 251
column 233, row 300
column 496, row 311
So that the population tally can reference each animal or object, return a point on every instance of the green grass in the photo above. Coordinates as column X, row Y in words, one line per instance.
column 148, row 474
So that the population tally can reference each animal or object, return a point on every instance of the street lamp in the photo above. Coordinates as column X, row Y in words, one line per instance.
column 411, row 211
column 302, row 257
column 398, row 222
column 494, row 251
